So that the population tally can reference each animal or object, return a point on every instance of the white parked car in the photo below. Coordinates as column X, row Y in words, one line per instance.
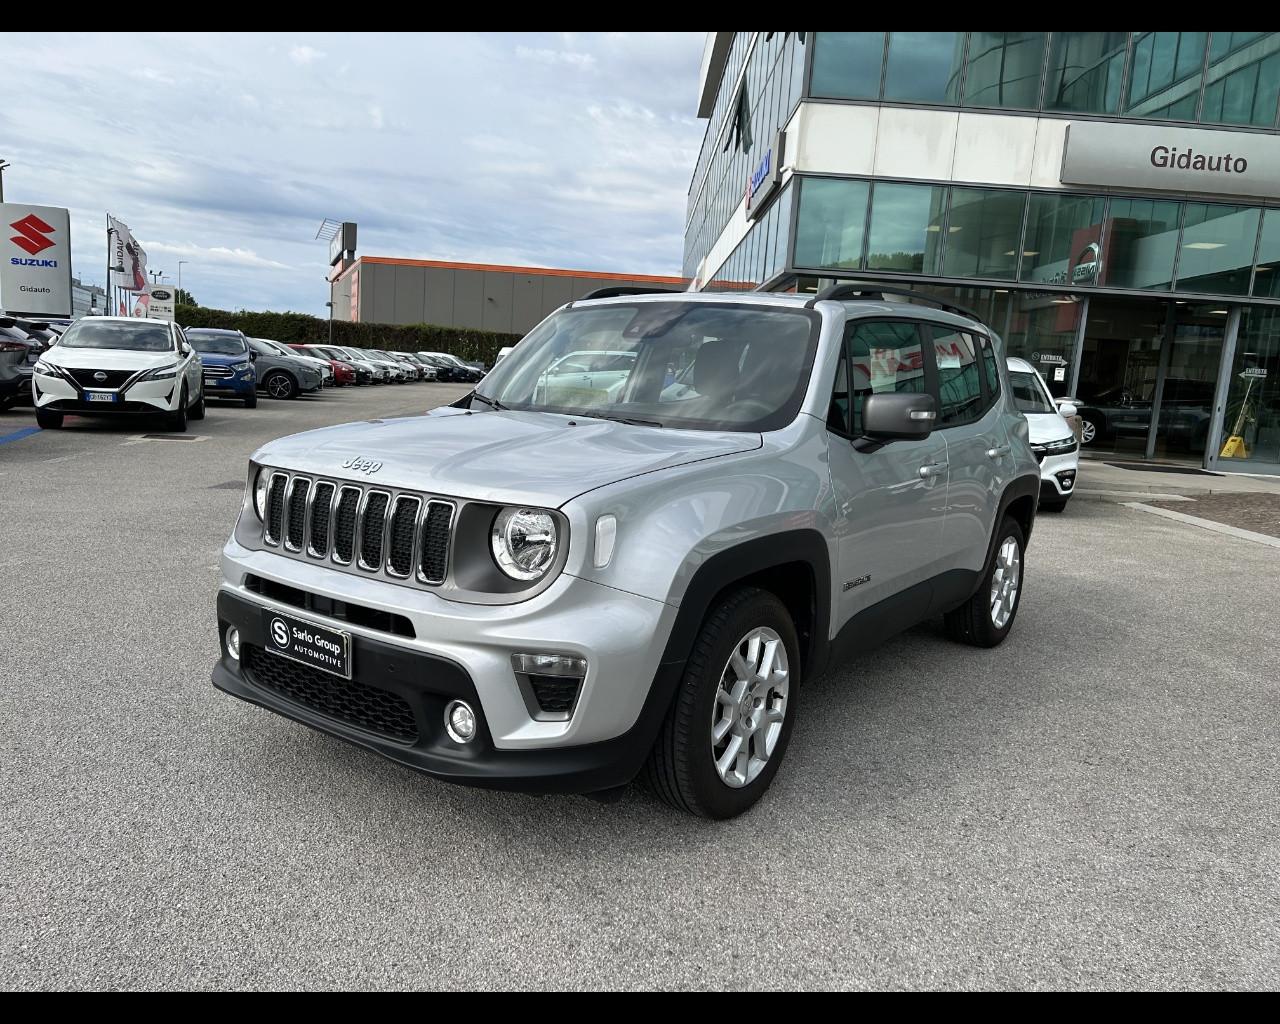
column 116, row 365
column 1052, row 440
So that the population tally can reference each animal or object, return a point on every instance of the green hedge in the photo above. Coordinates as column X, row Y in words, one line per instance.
column 475, row 346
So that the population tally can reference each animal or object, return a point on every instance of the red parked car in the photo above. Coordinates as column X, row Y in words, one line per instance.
column 343, row 373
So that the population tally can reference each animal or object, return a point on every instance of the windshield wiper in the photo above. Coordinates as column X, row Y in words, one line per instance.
column 633, row 421
column 492, row 402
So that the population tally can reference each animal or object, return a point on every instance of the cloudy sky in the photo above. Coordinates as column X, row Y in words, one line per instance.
column 560, row 150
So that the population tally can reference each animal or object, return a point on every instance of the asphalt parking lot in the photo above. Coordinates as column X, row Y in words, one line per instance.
column 1091, row 805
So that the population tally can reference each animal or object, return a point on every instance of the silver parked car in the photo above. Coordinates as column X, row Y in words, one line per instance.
column 560, row 585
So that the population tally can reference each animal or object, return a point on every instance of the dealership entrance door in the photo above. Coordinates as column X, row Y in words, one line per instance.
column 1148, row 371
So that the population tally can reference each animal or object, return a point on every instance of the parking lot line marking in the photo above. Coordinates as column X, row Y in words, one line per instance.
column 18, row 435
column 1206, row 524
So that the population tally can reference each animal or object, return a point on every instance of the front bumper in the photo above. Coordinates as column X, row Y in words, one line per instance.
column 58, row 394
column 241, row 385
column 464, row 651
column 1058, row 475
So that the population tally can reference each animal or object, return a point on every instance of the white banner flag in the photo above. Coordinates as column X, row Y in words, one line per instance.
column 128, row 260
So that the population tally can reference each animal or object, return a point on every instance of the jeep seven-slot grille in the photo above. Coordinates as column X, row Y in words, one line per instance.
column 373, row 527
column 400, row 546
column 295, row 535
column 403, row 536
column 321, row 509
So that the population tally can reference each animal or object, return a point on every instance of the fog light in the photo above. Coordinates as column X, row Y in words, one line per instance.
column 233, row 642
column 460, row 722
column 549, row 665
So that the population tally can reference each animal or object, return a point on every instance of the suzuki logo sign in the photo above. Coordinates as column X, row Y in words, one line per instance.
column 32, row 234
column 35, row 260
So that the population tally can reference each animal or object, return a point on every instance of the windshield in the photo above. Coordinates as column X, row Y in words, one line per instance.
column 702, row 366
column 276, row 347
column 219, row 343
column 137, row 337
column 1029, row 394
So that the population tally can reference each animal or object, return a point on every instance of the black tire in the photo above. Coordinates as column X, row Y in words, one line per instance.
column 680, row 769
column 972, row 622
column 252, row 401
column 279, row 384
column 176, row 421
column 46, row 420
column 7, row 403
column 197, row 410
column 1056, row 505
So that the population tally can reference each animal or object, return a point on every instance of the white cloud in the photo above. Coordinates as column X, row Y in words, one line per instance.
column 570, row 58
column 215, row 254
column 305, row 54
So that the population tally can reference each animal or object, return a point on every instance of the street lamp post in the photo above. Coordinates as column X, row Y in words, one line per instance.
column 180, row 263
column 330, row 305
column 3, row 165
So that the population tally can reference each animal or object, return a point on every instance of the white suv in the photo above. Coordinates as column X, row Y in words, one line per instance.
column 1052, row 441
column 118, row 364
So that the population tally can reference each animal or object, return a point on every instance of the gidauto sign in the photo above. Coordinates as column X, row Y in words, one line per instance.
column 35, row 260
column 1171, row 159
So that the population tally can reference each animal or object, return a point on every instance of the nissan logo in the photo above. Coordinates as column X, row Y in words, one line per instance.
column 99, row 376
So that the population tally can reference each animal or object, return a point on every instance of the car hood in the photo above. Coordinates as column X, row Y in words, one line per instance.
column 507, row 457
column 1047, row 426
column 222, row 359
column 109, row 358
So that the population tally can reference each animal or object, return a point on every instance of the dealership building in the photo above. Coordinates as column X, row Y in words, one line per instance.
column 1109, row 202
column 509, row 300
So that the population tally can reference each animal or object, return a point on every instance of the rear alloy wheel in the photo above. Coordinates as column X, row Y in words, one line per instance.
column 726, row 732
column 280, row 385
column 1088, row 432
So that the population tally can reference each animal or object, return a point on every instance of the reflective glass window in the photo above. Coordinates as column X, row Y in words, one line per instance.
column 924, row 67
column 959, row 380
column 983, row 231
column 831, row 223
column 906, row 227
column 883, row 358
column 1003, row 69
column 1140, row 244
column 1061, row 245
column 1266, row 278
column 1217, row 248
column 1242, row 82
column 1164, row 80
column 1085, row 71
column 846, row 65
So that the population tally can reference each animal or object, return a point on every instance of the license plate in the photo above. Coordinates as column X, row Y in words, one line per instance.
column 99, row 396
column 318, row 646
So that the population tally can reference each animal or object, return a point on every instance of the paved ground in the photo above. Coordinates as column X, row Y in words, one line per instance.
column 1091, row 805
column 1257, row 512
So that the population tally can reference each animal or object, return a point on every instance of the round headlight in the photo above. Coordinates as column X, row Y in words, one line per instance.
column 524, row 542
column 260, row 484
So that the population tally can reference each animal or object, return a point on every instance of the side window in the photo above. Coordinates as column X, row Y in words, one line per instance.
column 991, row 368
column 883, row 358
column 838, row 412
column 959, row 381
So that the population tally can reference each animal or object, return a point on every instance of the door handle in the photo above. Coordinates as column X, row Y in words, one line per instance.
column 999, row 451
column 932, row 469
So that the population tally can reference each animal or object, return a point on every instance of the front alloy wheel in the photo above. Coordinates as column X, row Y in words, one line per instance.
column 1088, row 432
column 750, row 707
column 726, row 731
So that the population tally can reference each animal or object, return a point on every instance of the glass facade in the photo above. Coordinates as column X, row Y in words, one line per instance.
column 759, row 89
column 1226, row 78
column 1125, row 302
column 1050, row 238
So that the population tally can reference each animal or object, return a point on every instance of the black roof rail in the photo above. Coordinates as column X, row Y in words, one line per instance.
column 876, row 291
column 624, row 289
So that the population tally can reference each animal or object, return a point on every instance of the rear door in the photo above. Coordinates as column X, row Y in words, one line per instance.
column 978, row 449
column 890, row 498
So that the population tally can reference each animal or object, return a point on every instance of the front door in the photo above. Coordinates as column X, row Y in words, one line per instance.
column 890, row 499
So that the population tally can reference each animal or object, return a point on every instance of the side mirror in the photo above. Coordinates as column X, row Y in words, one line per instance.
column 186, row 349
column 253, row 356
column 1067, row 410
column 903, row 416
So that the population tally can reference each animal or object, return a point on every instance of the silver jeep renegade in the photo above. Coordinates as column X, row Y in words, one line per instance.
column 625, row 551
